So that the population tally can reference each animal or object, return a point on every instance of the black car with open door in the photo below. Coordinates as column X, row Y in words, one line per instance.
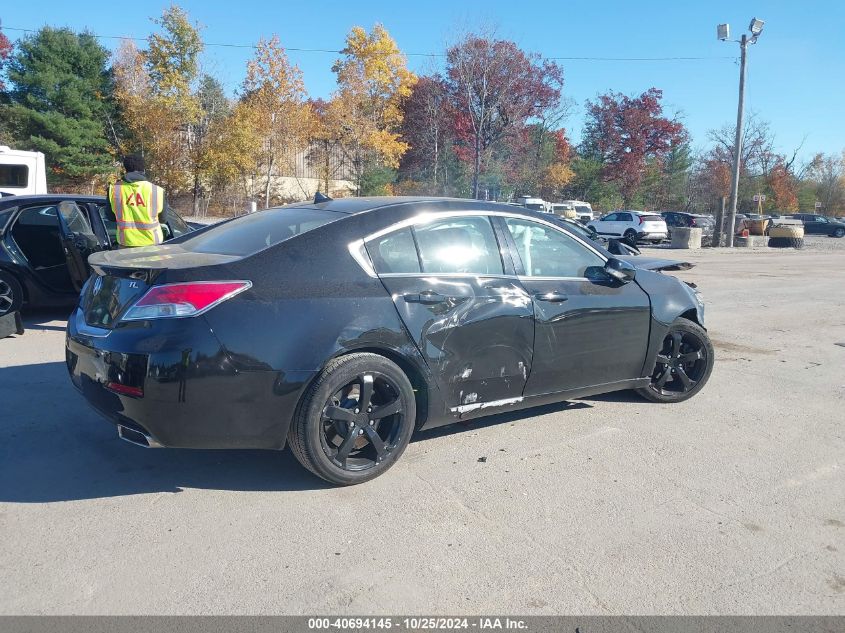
column 340, row 327
column 37, row 265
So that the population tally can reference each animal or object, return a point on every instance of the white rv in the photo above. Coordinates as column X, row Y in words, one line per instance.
column 535, row 204
column 21, row 173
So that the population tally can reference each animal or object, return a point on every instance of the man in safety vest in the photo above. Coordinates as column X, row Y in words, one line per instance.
column 138, row 205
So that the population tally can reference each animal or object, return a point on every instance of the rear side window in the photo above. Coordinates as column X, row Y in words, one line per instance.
column 624, row 217
column 14, row 176
column 394, row 253
column 463, row 244
column 252, row 233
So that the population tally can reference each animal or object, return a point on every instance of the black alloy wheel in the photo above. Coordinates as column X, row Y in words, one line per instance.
column 11, row 294
column 356, row 419
column 683, row 363
column 839, row 232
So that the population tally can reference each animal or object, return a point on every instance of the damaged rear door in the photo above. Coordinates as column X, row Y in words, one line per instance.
column 472, row 322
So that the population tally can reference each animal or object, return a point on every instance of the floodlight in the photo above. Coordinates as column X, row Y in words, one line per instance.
column 723, row 31
column 756, row 27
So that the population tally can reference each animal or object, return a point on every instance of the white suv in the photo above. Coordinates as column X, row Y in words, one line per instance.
column 632, row 225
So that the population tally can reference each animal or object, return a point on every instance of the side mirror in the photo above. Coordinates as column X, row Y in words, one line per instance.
column 620, row 270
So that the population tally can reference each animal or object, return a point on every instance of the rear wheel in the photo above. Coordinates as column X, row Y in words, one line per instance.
column 355, row 421
column 11, row 294
column 630, row 236
column 683, row 363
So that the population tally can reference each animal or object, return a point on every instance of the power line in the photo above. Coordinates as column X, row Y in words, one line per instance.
column 339, row 52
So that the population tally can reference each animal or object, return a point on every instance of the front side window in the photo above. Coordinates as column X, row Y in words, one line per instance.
column 74, row 218
column 613, row 217
column 394, row 253
column 463, row 244
column 546, row 252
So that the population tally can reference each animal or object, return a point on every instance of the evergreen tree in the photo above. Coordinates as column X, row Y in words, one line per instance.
column 61, row 99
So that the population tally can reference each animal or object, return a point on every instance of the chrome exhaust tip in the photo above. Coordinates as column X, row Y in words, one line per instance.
column 138, row 438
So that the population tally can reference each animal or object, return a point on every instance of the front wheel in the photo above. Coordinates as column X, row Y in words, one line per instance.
column 840, row 232
column 683, row 364
column 355, row 421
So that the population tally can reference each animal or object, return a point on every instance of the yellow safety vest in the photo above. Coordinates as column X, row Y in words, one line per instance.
column 136, row 207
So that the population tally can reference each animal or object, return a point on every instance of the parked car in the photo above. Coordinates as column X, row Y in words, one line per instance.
column 341, row 327
column 637, row 226
column 37, row 267
column 682, row 219
column 821, row 225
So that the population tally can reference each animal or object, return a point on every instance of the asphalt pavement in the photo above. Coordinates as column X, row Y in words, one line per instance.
column 730, row 503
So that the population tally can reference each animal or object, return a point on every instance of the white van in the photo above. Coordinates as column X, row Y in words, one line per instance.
column 584, row 210
column 21, row 173
column 535, row 204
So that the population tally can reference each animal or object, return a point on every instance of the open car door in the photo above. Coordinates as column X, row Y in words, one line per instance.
column 78, row 241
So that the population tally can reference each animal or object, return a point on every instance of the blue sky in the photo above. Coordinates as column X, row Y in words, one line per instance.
column 795, row 71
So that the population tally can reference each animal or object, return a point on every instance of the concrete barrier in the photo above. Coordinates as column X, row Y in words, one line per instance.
column 686, row 238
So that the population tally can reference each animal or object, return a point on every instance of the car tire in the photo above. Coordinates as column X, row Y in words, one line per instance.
column 11, row 294
column 683, row 364
column 840, row 232
column 336, row 432
column 630, row 236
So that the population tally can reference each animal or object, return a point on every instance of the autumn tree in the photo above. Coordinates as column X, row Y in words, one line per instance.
column 428, row 131
column 61, row 99
column 365, row 113
column 496, row 87
column 275, row 94
column 155, row 92
column 5, row 53
column 626, row 133
column 213, row 108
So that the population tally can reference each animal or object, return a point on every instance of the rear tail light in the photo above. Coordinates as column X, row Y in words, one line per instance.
column 125, row 390
column 183, row 299
column 640, row 218
column 692, row 222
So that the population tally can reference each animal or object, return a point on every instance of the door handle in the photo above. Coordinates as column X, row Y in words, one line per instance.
column 426, row 296
column 551, row 297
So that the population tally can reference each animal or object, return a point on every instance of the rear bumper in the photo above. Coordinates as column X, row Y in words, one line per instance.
column 654, row 237
column 194, row 394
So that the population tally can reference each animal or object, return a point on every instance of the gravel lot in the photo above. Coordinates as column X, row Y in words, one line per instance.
column 731, row 503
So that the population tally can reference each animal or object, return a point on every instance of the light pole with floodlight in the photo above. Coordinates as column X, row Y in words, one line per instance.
column 723, row 32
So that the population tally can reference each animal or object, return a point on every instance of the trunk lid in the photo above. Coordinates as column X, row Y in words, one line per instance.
column 123, row 276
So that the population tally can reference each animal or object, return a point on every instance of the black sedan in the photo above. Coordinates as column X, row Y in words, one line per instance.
column 37, row 267
column 341, row 327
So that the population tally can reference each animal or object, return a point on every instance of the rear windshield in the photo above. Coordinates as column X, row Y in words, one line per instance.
column 651, row 218
column 252, row 233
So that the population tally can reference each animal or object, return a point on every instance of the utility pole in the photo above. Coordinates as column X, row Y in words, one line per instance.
column 740, row 112
column 723, row 33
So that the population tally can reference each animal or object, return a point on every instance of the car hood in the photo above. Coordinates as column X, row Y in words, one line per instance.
column 654, row 263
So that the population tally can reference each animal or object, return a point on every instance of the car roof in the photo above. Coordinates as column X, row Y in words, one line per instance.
column 352, row 206
column 13, row 201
